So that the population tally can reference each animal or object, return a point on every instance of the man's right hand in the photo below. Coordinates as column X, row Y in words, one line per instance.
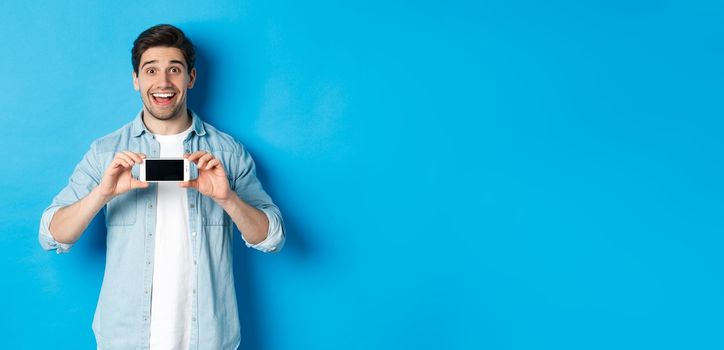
column 118, row 179
column 69, row 222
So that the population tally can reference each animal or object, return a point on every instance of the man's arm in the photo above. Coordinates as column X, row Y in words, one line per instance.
column 251, row 222
column 68, row 223
column 251, row 209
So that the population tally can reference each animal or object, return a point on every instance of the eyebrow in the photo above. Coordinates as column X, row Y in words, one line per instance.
column 156, row 61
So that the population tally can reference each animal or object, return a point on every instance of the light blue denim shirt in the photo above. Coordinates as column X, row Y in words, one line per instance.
column 122, row 317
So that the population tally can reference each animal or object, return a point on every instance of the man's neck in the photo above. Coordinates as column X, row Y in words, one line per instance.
column 173, row 126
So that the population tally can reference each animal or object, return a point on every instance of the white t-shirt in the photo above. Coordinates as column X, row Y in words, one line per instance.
column 172, row 271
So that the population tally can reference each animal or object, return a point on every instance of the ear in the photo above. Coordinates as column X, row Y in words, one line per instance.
column 192, row 78
column 135, row 81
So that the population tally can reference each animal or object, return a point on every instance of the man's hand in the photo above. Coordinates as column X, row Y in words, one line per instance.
column 118, row 179
column 212, row 181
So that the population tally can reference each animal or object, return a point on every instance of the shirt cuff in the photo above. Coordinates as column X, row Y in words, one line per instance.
column 275, row 237
column 46, row 239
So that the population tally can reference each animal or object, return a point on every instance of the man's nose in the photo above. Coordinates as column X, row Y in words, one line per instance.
column 165, row 79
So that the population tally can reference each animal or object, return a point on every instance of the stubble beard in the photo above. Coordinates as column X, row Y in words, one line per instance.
column 173, row 115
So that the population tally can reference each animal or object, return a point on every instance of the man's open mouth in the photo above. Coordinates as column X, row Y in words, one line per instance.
column 163, row 98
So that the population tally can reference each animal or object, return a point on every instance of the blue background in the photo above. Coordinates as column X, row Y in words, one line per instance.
column 457, row 175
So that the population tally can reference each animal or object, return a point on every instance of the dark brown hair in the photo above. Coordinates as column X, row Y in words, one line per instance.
column 164, row 35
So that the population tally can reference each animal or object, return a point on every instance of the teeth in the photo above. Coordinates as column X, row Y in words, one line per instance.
column 162, row 95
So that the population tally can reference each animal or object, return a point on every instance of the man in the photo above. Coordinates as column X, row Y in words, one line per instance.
column 168, row 281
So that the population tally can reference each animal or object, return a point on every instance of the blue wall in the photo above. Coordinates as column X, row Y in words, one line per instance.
column 488, row 175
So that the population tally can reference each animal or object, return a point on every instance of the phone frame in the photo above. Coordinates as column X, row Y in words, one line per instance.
column 187, row 169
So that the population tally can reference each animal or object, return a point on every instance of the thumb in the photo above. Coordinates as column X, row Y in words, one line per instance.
column 138, row 184
column 186, row 184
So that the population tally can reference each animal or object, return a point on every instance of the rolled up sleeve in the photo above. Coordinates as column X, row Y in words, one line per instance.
column 274, row 240
column 45, row 238
column 250, row 190
column 85, row 177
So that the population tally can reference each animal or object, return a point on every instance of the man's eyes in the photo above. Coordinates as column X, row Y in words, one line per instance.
column 172, row 70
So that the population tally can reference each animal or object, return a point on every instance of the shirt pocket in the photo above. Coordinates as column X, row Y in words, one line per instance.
column 213, row 214
column 121, row 211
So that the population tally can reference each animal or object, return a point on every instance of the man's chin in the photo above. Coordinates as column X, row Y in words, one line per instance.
column 163, row 114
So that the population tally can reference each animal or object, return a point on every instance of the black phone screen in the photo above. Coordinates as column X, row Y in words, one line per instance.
column 164, row 170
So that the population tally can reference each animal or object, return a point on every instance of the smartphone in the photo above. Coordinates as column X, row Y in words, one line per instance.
column 164, row 169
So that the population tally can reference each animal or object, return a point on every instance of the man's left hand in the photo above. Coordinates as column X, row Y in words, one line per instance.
column 212, row 181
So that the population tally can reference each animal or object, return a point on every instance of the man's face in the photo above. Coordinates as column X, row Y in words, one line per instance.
column 162, row 80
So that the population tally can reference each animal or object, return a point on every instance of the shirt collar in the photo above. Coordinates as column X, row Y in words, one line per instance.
column 138, row 128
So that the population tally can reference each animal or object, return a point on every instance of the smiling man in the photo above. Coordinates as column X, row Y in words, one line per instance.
column 168, row 281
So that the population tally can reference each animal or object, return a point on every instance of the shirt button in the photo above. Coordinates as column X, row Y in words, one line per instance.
column 194, row 262
column 146, row 291
column 148, row 263
column 193, row 233
column 150, row 205
column 192, row 206
column 193, row 319
column 194, row 291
